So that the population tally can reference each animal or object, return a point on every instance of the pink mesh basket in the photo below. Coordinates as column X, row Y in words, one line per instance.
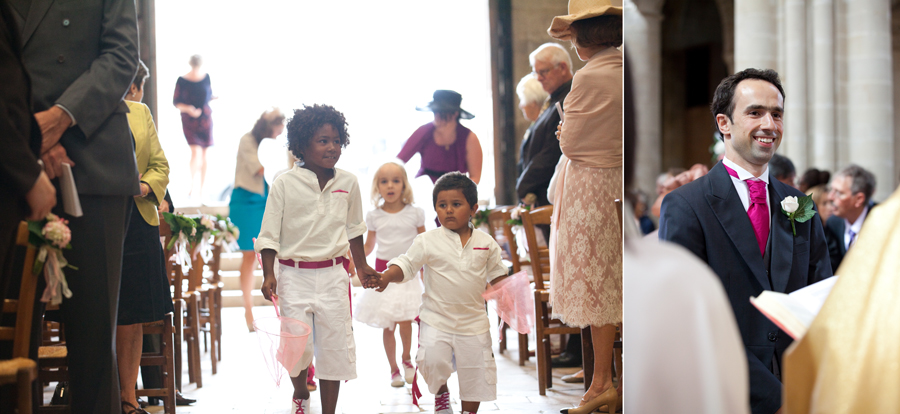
column 282, row 341
column 513, row 301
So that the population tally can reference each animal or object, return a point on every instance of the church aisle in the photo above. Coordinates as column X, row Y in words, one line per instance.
column 243, row 384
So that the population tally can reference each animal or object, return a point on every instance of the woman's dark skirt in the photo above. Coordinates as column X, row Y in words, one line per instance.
column 144, row 295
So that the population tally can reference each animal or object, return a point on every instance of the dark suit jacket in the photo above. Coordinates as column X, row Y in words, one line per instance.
column 707, row 217
column 834, row 234
column 20, row 137
column 88, row 71
column 540, row 151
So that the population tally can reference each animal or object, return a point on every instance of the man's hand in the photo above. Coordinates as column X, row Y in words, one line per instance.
column 41, row 198
column 53, row 160
column 145, row 189
column 53, row 123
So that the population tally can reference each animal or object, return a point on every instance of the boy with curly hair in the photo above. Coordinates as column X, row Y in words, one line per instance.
column 313, row 214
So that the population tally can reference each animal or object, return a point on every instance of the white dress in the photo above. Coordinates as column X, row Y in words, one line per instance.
column 394, row 233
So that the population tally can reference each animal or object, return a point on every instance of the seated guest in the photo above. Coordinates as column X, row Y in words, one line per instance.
column 782, row 169
column 847, row 362
column 851, row 199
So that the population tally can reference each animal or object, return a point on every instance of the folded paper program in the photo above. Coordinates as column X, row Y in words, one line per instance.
column 513, row 301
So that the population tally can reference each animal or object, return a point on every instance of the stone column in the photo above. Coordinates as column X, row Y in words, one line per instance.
column 755, row 34
column 870, row 90
column 823, row 116
column 643, row 45
column 795, row 143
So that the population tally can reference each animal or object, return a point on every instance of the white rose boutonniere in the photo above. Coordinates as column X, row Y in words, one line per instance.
column 798, row 209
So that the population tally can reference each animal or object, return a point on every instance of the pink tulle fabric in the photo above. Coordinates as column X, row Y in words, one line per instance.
column 514, row 302
column 282, row 341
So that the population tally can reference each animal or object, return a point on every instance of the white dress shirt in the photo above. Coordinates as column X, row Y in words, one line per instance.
column 307, row 224
column 856, row 227
column 743, row 189
column 455, row 277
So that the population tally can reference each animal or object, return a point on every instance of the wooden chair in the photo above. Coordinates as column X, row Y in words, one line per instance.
column 164, row 359
column 207, row 322
column 53, row 364
column 497, row 226
column 20, row 370
column 186, row 328
column 517, row 261
column 540, row 264
column 587, row 343
column 215, row 279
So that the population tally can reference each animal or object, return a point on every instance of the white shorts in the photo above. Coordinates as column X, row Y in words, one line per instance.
column 440, row 353
column 320, row 298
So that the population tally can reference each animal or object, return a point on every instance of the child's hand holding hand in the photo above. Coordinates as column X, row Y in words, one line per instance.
column 368, row 276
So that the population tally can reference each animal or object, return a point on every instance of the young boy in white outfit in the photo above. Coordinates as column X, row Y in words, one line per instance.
column 313, row 214
column 454, row 331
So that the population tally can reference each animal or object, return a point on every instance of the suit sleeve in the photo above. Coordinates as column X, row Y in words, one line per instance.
column 18, row 166
column 536, row 173
column 94, row 96
column 157, row 174
column 678, row 223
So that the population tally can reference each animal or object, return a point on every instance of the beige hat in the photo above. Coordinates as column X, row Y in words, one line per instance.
column 579, row 10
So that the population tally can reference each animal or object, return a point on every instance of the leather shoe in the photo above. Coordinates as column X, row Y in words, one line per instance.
column 142, row 403
column 179, row 400
column 565, row 360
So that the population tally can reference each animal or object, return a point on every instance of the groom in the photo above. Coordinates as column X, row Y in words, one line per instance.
column 732, row 219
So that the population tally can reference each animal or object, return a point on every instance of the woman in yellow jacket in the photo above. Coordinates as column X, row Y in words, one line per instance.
column 144, row 294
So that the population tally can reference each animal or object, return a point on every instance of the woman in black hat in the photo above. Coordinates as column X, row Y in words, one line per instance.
column 445, row 145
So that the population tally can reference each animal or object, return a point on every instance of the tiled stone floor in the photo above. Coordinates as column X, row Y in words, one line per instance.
column 243, row 384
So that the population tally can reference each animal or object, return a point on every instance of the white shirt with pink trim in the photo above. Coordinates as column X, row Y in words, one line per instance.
column 307, row 224
column 455, row 277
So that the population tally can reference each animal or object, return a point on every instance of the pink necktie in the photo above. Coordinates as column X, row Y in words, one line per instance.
column 758, row 211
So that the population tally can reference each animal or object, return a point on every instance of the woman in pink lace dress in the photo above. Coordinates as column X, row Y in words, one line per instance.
column 586, row 246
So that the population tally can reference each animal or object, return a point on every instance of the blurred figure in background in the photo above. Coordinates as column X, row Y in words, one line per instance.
column 782, row 169
column 192, row 95
column 248, row 199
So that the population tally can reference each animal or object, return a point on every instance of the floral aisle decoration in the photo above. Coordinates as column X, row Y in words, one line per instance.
column 208, row 231
column 50, row 236
column 228, row 233
column 516, row 216
column 481, row 217
column 184, row 231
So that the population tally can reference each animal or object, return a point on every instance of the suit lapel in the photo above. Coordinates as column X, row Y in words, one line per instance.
column 781, row 238
column 726, row 205
column 35, row 14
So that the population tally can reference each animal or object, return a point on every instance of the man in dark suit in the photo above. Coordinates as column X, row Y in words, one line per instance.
column 540, row 151
column 25, row 190
column 81, row 61
column 851, row 199
column 731, row 218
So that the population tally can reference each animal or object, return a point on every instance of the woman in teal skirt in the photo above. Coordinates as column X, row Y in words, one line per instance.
column 248, row 200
